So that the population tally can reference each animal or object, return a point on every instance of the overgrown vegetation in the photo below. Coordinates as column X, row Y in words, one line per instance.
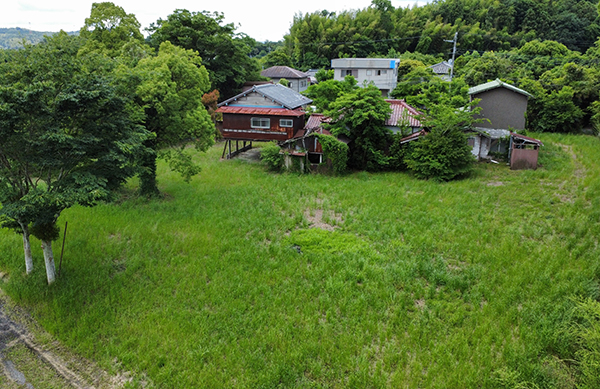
column 271, row 155
column 336, row 151
column 416, row 283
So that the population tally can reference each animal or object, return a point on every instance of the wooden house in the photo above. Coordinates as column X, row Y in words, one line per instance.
column 270, row 112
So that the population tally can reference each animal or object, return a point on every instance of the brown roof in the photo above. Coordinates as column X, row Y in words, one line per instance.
column 403, row 114
column 260, row 111
column 316, row 120
column 412, row 137
column 526, row 138
column 283, row 72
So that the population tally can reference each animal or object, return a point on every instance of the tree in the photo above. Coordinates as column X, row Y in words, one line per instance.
column 170, row 87
column 224, row 52
column 443, row 153
column 68, row 137
column 326, row 92
column 360, row 115
column 277, row 58
column 108, row 28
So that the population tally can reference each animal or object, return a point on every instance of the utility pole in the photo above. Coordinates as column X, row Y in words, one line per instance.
column 453, row 56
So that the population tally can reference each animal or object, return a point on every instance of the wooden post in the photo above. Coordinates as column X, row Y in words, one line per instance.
column 229, row 156
column 63, row 248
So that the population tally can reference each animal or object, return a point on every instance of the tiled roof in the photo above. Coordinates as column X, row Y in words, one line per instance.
column 260, row 111
column 402, row 114
column 496, row 84
column 316, row 120
column 283, row 72
column 441, row 68
column 284, row 96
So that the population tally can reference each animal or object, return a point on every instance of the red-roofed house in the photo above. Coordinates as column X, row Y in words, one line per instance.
column 404, row 118
column 263, row 113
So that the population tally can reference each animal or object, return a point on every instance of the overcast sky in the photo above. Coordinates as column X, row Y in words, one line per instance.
column 261, row 20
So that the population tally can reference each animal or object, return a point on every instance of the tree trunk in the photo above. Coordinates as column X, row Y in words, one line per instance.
column 27, row 249
column 49, row 259
column 148, row 186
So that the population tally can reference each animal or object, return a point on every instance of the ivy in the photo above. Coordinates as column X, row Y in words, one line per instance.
column 334, row 150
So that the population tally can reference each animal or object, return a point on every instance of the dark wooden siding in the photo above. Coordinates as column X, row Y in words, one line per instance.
column 239, row 127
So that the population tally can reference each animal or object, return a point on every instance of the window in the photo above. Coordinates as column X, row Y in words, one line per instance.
column 380, row 72
column 348, row 72
column 286, row 123
column 471, row 141
column 369, row 72
column 291, row 84
column 260, row 123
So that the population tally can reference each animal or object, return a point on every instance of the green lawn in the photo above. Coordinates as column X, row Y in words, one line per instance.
column 466, row 284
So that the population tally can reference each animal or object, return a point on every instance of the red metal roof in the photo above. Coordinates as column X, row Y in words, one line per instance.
column 403, row 114
column 260, row 111
column 526, row 138
column 316, row 120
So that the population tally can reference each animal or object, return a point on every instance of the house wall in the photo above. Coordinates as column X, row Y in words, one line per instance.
column 476, row 145
column 297, row 84
column 382, row 73
column 504, row 108
column 238, row 126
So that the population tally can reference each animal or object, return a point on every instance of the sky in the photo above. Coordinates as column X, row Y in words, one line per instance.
column 262, row 20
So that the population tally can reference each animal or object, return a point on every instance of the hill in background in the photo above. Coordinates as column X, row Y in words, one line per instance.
column 12, row 38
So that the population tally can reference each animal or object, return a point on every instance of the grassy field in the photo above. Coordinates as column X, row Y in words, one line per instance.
column 409, row 283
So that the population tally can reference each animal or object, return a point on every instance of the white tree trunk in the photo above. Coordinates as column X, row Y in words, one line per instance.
column 27, row 248
column 49, row 259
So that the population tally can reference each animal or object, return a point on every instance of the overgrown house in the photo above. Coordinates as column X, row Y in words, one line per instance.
column 270, row 112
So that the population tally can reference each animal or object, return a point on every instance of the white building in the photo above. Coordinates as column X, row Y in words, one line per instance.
column 383, row 72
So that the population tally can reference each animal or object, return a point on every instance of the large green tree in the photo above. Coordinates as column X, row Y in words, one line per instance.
column 68, row 136
column 170, row 87
column 360, row 115
column 224, row 53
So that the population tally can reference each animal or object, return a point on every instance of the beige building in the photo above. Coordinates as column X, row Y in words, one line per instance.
column 382, row 72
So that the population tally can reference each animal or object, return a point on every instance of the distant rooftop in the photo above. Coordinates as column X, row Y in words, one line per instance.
column 283, row 72
column 402, row 114
column 365, row 63
column 496, row 84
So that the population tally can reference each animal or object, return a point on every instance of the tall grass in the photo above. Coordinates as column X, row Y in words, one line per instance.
column 223, row 283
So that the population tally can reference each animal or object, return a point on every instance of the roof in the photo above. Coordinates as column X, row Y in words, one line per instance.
column 403, row 115
column 282, row 72
column 413, row 136
column 260, row 111
column 441, row 68
column 526, row 139
column 282, row 95
column 496, row 84
column 365, row 63
column 493, row 133
column 316, row 120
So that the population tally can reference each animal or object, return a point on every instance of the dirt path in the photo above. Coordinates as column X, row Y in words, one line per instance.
column 25, row 362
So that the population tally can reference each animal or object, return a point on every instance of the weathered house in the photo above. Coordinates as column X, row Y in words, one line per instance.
column 442, row 70
column 298, row 81
column 502, row 104
column 270, row 112
column 488, row 143
column 523, row 152
column 382, row 72
column 404, row 118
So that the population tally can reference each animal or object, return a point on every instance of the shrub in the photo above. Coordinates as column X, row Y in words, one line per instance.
column 336, row 151
column 270, row 154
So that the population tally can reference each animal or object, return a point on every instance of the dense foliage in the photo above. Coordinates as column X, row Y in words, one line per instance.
column 271, row 155
column 224, row 53
column 336, row 151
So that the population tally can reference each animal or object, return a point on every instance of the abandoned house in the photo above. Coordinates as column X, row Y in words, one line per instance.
column 270, row 112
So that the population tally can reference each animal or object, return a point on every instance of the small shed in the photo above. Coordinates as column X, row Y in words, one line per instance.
column 523, row 152
column 487, row 143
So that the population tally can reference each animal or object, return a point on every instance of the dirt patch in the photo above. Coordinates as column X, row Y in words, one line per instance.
column 26, row 361
column 579, row 169
column 420, row 303
column 251, row 156
column 495, row 183
column 315, row 219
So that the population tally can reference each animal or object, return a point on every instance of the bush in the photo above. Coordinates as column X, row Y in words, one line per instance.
column 336, row 151
column 271, row 156
column 440, row 155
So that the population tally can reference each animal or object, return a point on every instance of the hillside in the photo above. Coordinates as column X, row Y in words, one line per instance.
column 250, row 279
column 12, row 38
